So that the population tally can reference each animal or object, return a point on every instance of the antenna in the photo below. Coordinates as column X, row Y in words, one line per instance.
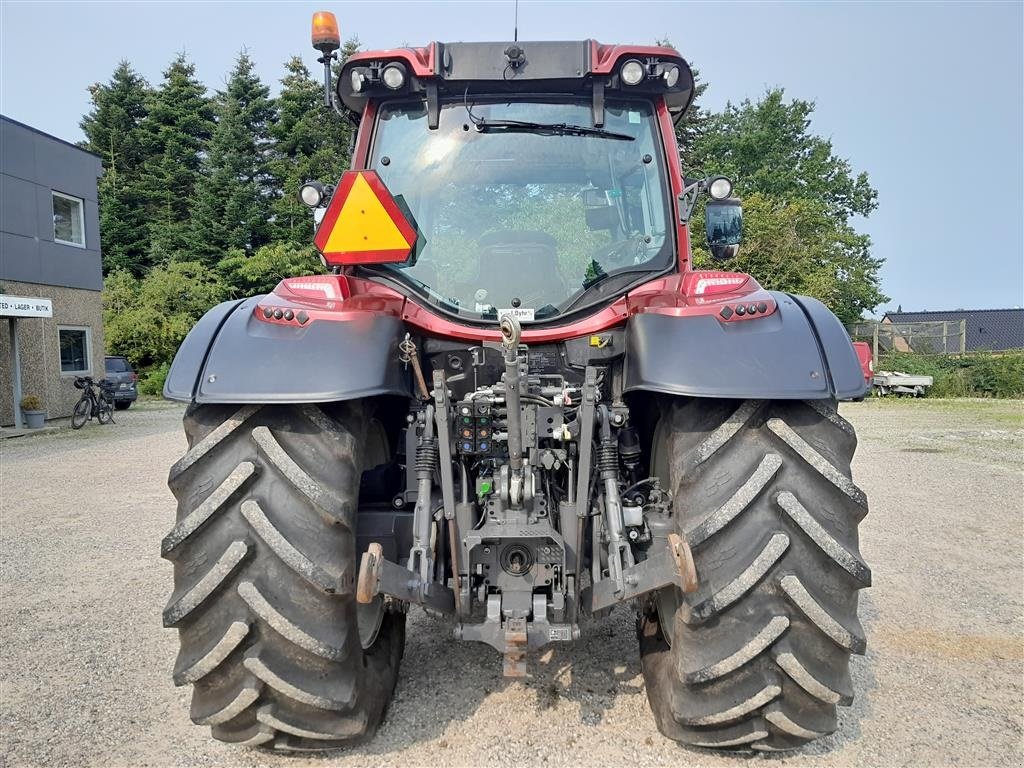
column 515, row 28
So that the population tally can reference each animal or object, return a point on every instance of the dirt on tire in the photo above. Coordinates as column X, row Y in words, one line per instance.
column 758, row 657
column 264, row 554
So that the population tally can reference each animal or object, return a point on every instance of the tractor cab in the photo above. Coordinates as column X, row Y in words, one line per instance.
column 541, row 178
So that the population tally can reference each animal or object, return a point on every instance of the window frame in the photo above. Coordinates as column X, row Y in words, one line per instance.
column 394, row 278
column 81, row 211
column 87, row 371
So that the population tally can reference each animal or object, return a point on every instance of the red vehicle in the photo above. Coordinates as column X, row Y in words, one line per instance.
column 512, row 400
column 866, row 360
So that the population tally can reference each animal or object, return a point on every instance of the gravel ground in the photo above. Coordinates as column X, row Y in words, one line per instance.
column 85, row 664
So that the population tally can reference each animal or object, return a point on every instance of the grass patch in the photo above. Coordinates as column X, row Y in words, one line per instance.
column 988, row 412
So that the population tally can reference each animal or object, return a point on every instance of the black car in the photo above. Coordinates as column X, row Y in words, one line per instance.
column 120, row 373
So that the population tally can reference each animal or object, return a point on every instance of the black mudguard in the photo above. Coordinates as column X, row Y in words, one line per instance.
column 800, row 352
column 231, row 357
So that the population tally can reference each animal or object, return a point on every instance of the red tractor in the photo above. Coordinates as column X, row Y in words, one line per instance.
column 512, row 401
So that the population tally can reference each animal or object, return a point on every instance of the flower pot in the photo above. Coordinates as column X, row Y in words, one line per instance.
column 34, row 419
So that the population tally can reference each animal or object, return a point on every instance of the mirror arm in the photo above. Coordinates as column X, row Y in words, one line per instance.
column 688, row 199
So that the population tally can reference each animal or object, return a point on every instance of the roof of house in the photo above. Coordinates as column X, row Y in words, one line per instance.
column 992, row 329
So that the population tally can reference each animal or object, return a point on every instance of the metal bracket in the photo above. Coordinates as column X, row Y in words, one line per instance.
column 378, row 576
column 672, row 566
column 442, row 419
column 515, row 635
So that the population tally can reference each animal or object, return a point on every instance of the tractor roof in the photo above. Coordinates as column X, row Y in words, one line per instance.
column 579, row 68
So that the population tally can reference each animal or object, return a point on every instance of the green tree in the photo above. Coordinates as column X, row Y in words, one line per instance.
column 147, row 319
column 112, row 127
column 259, row 273
column 798, row 202
column 233, row 205
column 177, row 128
column 767, row 146
column 124, row 231
column 310, row 142
column 113, row 131
column 692, row 126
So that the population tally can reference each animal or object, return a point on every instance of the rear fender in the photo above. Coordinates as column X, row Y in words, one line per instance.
column 799, row 352
column 232, row 356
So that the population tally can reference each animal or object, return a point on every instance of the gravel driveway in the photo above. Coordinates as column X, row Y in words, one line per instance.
column 85, row 664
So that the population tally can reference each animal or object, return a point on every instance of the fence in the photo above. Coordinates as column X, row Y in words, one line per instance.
column 931, row 338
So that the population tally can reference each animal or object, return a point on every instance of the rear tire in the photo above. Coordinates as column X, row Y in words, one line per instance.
column 265, row 560
column 105, row 412
column 81, row 413
column 758, row 657
column 123, row 405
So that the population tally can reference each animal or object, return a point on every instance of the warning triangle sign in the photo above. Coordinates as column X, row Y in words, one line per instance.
column 363, row 224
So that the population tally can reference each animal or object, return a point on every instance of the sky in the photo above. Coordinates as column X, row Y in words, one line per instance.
column 927, row 97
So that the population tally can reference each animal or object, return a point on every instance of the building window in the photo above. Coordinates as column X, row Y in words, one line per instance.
column 74, row 350
column 68, row 220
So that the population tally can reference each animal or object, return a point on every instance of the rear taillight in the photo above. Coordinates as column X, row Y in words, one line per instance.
column 135, row 377
column 316, row 288
column 712, row 283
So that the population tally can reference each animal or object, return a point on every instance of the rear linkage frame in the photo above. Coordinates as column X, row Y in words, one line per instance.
column 516, row 552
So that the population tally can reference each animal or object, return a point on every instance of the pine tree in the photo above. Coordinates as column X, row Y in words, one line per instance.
column 233, row 203
column 124, row 234
column 311, row 142
column 177, row 130
column 113, row 131
column 691, row 129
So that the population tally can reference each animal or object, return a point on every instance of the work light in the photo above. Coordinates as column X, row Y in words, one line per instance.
column 393, row 76
column 311, row 193
column 720, row 188
column 632, row 72
column 671, row 75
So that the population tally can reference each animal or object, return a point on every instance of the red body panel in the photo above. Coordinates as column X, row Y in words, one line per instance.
column 866, row 359
column 675, row 176
column 604, row 57
column 663, row 296
column 420, row 60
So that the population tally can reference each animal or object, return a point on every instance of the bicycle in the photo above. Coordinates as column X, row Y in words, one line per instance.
column 91, row 404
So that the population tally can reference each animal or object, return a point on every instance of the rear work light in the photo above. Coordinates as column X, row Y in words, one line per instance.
column 708, row 283
column 314, row 288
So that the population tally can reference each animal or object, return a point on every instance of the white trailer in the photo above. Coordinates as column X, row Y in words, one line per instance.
column 897, row 383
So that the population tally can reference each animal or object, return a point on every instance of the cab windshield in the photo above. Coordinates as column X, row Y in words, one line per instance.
column 524, row 204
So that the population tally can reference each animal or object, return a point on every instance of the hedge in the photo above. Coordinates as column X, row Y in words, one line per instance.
column 977, row 374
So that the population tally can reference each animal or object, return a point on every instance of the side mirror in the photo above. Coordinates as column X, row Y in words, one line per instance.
column 723, row 221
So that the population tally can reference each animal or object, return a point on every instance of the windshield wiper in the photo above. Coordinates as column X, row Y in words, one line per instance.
column 547, row 129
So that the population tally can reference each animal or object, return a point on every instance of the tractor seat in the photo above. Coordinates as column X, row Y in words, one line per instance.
column 520, row 264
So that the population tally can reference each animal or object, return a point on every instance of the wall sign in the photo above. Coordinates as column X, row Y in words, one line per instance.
column 20, row 306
